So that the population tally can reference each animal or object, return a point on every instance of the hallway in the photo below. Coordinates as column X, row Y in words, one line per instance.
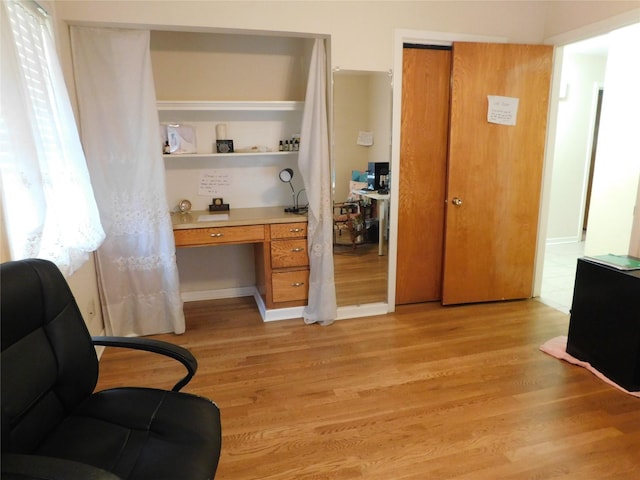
column 559, row 273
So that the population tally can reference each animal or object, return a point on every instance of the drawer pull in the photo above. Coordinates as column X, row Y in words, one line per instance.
column 299, row 249
column 216, row 235
column 297, row 284
column 296, row 230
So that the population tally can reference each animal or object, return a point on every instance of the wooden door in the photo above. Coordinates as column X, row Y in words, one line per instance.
column 426, row 75
column 495, row 171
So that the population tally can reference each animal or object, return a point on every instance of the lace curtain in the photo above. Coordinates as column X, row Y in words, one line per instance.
column 137, row 272
column 49, row 208
column 314, row 165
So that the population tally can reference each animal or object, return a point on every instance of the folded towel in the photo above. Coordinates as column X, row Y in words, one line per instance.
column 557, row 347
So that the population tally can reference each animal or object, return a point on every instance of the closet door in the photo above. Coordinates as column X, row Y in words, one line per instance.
column 426, row 76
column 494, row 172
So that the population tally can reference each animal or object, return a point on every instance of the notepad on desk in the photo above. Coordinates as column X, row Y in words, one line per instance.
column 621, row 262
column 213, row 218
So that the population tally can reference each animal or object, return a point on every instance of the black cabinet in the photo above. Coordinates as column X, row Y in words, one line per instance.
column 604, row 329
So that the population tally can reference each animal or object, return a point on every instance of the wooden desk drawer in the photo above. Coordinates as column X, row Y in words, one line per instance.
column 289, row 253
column 288, row 230
column 218, row 235
column 290, row 286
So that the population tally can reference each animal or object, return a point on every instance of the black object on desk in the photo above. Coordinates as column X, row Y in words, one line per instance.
column 604, row 329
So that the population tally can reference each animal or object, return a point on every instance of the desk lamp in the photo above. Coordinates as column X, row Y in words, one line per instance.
column 286, row 174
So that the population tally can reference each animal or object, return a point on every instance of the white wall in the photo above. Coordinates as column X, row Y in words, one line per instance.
column 568, row 15
column 380, row 113
column 84, row 281
column 271, row 68
column 581, row 76
column 350, row 115
column 617, row 166
column 361, row 32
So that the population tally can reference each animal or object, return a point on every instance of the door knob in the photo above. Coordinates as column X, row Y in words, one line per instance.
column 456, row 201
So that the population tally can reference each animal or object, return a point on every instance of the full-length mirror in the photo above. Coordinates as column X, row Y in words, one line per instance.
column 361, row 155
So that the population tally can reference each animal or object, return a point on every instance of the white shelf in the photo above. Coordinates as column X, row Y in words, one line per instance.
column 258, row 106
column 238, row 154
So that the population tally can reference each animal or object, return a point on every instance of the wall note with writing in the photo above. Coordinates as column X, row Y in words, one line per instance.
column 214, row 182
column 502, row 110
column 365, row 138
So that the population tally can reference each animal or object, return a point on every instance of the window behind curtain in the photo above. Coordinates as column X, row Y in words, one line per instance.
column 49, row 207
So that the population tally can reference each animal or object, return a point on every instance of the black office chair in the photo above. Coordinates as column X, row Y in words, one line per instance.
column 55, row 426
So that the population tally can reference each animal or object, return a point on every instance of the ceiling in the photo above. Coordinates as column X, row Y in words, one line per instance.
column 591, row 46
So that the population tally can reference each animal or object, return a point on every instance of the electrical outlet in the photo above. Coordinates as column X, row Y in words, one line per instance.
column 91, row 308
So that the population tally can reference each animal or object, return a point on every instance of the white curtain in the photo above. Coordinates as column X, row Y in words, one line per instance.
column 50, row 211
column 137, row 271
column 314, row 165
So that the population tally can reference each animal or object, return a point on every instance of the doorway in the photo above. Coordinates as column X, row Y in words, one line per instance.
column 578, row 120
column 592, row 161
column 616, row 171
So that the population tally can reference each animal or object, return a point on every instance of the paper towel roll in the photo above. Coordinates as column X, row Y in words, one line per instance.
column 221, row 131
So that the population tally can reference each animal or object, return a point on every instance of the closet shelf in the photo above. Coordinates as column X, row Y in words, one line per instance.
column 257, row 106
column 218, row 155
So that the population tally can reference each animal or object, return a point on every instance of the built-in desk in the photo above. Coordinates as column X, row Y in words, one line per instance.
column 280, row 248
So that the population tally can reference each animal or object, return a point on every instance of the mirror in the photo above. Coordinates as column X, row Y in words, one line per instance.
column 360, row 173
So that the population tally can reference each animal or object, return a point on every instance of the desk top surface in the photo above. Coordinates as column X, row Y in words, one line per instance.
column 372, row 194
column 234, row 217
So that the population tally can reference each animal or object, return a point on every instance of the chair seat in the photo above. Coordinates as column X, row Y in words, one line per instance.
column 140, row 433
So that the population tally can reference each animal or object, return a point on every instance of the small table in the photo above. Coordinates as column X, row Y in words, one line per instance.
column 604, row 328
column 382, row 213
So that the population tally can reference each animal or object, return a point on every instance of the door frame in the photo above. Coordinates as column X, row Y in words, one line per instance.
column 402, row 36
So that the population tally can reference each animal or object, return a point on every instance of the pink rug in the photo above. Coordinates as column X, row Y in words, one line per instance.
column 557, row 347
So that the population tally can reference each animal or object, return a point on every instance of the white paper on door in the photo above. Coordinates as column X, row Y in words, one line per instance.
column 502, row 110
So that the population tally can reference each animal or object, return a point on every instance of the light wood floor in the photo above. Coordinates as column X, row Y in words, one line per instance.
column 360, row 274
column 428, row 392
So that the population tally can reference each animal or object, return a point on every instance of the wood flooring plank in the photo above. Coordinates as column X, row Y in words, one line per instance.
column 427, row 392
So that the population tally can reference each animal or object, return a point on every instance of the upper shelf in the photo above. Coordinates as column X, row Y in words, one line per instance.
column 233, row 154
column 257, row 106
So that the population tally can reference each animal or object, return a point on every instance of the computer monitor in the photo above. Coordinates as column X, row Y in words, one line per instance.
column 375, row 170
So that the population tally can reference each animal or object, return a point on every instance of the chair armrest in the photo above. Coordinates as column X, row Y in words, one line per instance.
column 36, row 467
column 167, row 349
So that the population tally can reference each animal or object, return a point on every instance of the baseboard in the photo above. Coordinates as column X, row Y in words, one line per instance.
column 197, row 296
column 344, row 313
column 559, row 240
column 367, row 310
column 267, row 315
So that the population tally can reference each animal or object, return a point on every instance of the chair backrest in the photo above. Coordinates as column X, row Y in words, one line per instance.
column 48, row 362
